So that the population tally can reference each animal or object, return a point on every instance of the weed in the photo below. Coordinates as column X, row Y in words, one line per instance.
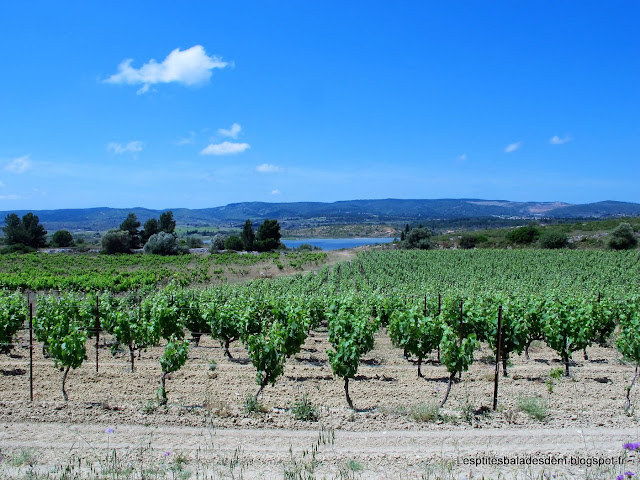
column 535, row 407
column 150, row 407
column 354, row 465
column 213, row 365
column 425, row 412
column 23, row 457
column 219, row 408
column 253, row 405
column 304, row 409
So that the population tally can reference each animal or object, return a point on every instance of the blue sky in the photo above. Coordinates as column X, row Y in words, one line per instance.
column 203, row 103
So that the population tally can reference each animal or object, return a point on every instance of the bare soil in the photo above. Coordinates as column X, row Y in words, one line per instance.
column 390, row 435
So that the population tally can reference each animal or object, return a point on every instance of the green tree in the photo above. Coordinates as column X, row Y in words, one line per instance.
column 131, row 225
column 116, row 241
column 233, row 243
column 167, row 223
column 268, row 236
column 622, row 238
column 151, row 227
column 62, row 238
column 419, row 238
column 248, row 237
column 27, row 231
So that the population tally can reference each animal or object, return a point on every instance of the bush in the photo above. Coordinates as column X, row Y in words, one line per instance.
column 468, row 242
column 61, row 239
column 622, row 238
column 233, row 243
column 163, row 243
column 116, row 241
column 523, row 235
column 194, row 242
column 553, row 240
column 217, row 244
column 419, row 238
column 18, row 248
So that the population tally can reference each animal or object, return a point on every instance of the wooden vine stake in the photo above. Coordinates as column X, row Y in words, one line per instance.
column 497, row 375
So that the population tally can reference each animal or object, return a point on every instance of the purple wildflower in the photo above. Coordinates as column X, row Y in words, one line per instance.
column 166, row 454
column 629, row 474
column 631, row 446
column 109, row 430
column 620, row 477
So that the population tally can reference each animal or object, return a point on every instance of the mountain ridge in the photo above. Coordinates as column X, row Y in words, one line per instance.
column 301, row 214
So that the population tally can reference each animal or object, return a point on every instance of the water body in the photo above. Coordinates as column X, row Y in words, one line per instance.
column 335, row 243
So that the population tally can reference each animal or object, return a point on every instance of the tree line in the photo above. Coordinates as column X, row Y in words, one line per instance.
column 157, row 236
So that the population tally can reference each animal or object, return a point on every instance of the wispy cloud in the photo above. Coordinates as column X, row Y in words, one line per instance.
column 120, row 148
column 556, row 140
column 462, row 157
column 188, row 67
column 267, row 168
column 9, row 197
column 1, row 184
column 512, row 147
column 225, row 148
column 275, row 192
column 190, row 140
column 19, row 165
column 232, row 132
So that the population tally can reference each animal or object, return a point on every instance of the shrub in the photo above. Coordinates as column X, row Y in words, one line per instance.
column 116, row 241
column 194, row 242
column 62, row 238
column 217, row 244
column 163, row 244
column 419, row 238
column 523, row 235
column 233, row 243
column 622, row 238
column 553, row 240
column 18, row 248
column 468, row 242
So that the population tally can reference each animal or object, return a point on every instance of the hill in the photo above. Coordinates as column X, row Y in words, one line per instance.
column 310, row 214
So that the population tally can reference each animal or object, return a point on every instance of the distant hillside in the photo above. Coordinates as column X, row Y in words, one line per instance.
column 309, row 214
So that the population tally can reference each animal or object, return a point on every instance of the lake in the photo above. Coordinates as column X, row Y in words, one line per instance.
column 335, row 243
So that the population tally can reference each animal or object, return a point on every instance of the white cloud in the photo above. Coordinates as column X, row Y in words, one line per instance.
column 275, row 192
column 19, row 165
column 131, row 147
column 512, row 147
column 1, row 185
column 9, row 197
column 267, row 168
column 225, row 148
column 188, row 67
column 232, row 132
column 556, row 140
column 462, row 157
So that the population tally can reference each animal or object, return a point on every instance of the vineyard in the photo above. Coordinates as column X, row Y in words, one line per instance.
column 390, row 339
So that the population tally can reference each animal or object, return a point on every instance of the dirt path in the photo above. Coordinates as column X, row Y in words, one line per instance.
column 265, row 453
